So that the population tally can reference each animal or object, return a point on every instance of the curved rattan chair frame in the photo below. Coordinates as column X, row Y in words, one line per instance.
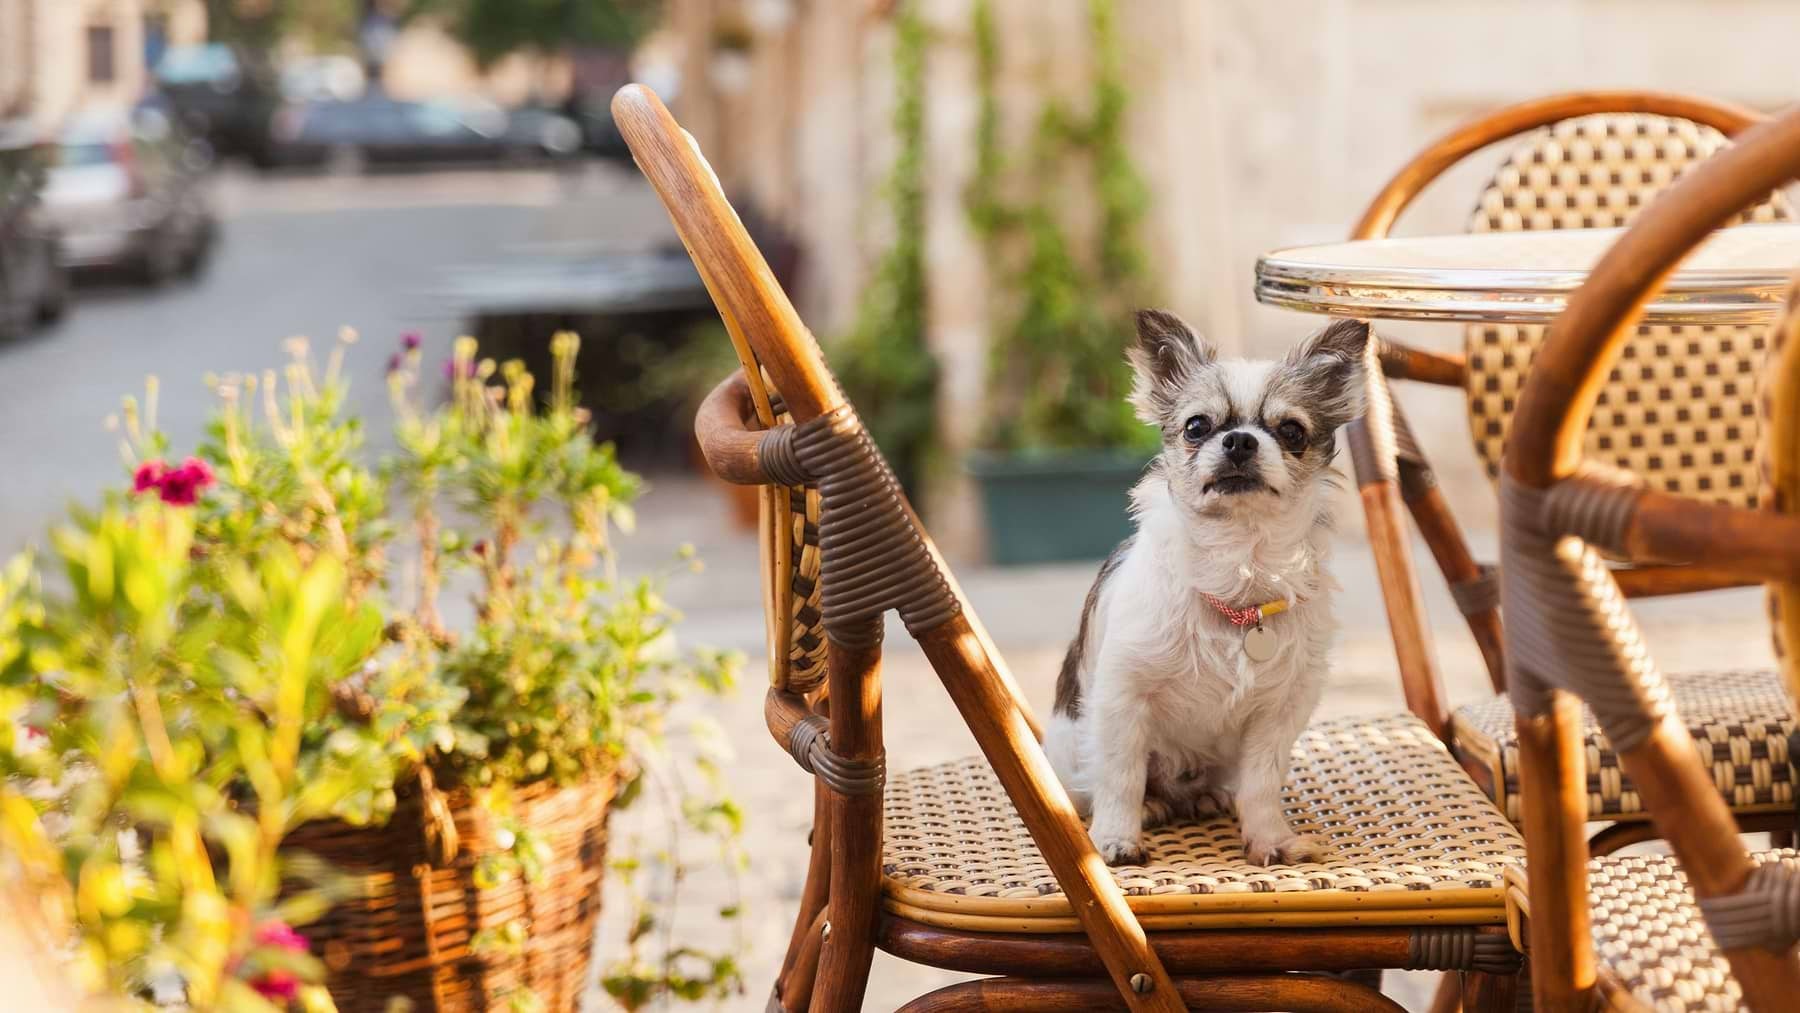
column 835, row 733
column 1393, row 476
column 1569, row 632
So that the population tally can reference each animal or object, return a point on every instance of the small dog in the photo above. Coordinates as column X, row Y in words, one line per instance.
column 1166, row 708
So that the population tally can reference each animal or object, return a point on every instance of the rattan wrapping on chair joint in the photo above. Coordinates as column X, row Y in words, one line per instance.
column 873, row 557
column 810, row 744
column 1568, row 625
column 1480, row 593
column 1594, row 505
column 1766, row 912
column 777, row 457
column 1461, row 948
column 1375, row 457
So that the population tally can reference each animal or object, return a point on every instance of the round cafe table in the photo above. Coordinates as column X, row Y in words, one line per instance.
column 1739, row 276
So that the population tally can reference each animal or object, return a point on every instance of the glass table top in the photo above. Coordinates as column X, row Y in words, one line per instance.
column 1739, row 275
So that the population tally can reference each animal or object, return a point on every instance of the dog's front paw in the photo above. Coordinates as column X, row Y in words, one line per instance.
column 1120, row 850
column 1291, row 850
column 1206, row 803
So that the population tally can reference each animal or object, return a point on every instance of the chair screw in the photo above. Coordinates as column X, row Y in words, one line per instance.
column 1141, row 984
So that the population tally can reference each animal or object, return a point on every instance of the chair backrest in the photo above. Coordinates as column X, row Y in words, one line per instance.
column 1779, row 409
column 1680, row 408
column 843, row 547
column 1570, row 636
column 1574, row 145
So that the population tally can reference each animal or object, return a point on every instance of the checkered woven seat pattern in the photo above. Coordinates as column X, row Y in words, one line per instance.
column 1740, row 722
column 1652, row 946
column 1680, row 406
column 1408, row 832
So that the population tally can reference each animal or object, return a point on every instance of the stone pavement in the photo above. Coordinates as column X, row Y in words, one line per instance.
column 1031, row 613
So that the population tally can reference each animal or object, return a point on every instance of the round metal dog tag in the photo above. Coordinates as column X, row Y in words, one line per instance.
column 1259, row 644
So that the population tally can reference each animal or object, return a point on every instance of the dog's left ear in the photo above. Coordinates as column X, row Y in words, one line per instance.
column 1329, row 365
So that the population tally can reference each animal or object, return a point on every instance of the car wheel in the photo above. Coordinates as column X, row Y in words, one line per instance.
column 345, row 160
column 199, row 252
column 15, row 313
column 55, row 302
column 161, row 262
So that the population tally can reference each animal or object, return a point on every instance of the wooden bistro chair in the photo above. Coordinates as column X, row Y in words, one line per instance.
column 1627, row 932
column 1678, row 411
column 983, row 865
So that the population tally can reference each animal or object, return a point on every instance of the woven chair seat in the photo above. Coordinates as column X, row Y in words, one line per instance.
column 1649, row 939
column 1413, row 842
column 1740, row 722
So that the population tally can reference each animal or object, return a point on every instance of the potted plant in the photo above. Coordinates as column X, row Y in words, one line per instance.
column 151, row 737
column 1062, row 447
column 448, row 782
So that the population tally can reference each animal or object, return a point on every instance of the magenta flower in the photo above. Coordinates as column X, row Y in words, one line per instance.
column 149, row 475
column 181, row 486
column 276, row 986
column 281, row 935
column 411, row 340
column 395, row 361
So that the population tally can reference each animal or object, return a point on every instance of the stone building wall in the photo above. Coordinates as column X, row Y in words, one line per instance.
column 1258, row 124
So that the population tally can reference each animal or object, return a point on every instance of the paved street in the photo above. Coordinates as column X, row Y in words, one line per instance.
column 308, row 255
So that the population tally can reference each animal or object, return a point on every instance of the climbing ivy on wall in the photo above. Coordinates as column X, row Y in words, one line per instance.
column 884, row 362
column 1058, row 376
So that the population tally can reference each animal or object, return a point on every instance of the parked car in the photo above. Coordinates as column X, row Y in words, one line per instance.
column 128, row 190
column 377, row 130
column 323, row 78
column 221, row 95
column 34, row 286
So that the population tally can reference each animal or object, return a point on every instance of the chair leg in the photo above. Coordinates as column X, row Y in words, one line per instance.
column 794, row 989
column 818, row 883
column 1489, row 993
column 853, row 674
column 1300, row 993
column 1385, row 517
column 1449, row 995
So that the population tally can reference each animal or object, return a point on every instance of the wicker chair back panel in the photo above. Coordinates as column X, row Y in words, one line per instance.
column 1680, row 406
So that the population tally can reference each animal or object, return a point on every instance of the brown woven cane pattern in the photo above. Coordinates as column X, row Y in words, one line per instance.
column 1649, row 936
column 790, row 535
column 1679, row 408
column 410, row 930
column 1400, row 818
column 1740, row 722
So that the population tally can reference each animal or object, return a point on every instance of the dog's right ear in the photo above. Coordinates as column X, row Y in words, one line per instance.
column 1167, row 354
column 1167, row 348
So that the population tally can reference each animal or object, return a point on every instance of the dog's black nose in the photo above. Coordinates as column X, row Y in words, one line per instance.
column 1239, row 447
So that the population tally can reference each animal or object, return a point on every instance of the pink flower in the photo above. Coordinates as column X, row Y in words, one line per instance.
column 276, row 985
column 181, row 486
column 280, row 934
column 395, row 362
column 149, row 475
column 411, row 340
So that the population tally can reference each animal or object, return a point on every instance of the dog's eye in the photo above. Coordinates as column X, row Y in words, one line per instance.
column 1196, row 428
column 1291, row 434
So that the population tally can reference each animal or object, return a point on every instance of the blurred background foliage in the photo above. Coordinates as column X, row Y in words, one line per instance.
column 492, row 29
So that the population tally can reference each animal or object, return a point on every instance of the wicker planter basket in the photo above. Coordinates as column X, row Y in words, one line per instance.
column 408, row 932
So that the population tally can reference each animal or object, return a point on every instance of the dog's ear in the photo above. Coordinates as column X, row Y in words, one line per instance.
column 1327, row 368
column 1167, row 354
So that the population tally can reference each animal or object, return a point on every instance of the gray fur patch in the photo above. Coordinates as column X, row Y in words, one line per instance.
column 1068, row 681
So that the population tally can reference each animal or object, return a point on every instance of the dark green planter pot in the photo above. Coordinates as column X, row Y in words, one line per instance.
column 1056, row 506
